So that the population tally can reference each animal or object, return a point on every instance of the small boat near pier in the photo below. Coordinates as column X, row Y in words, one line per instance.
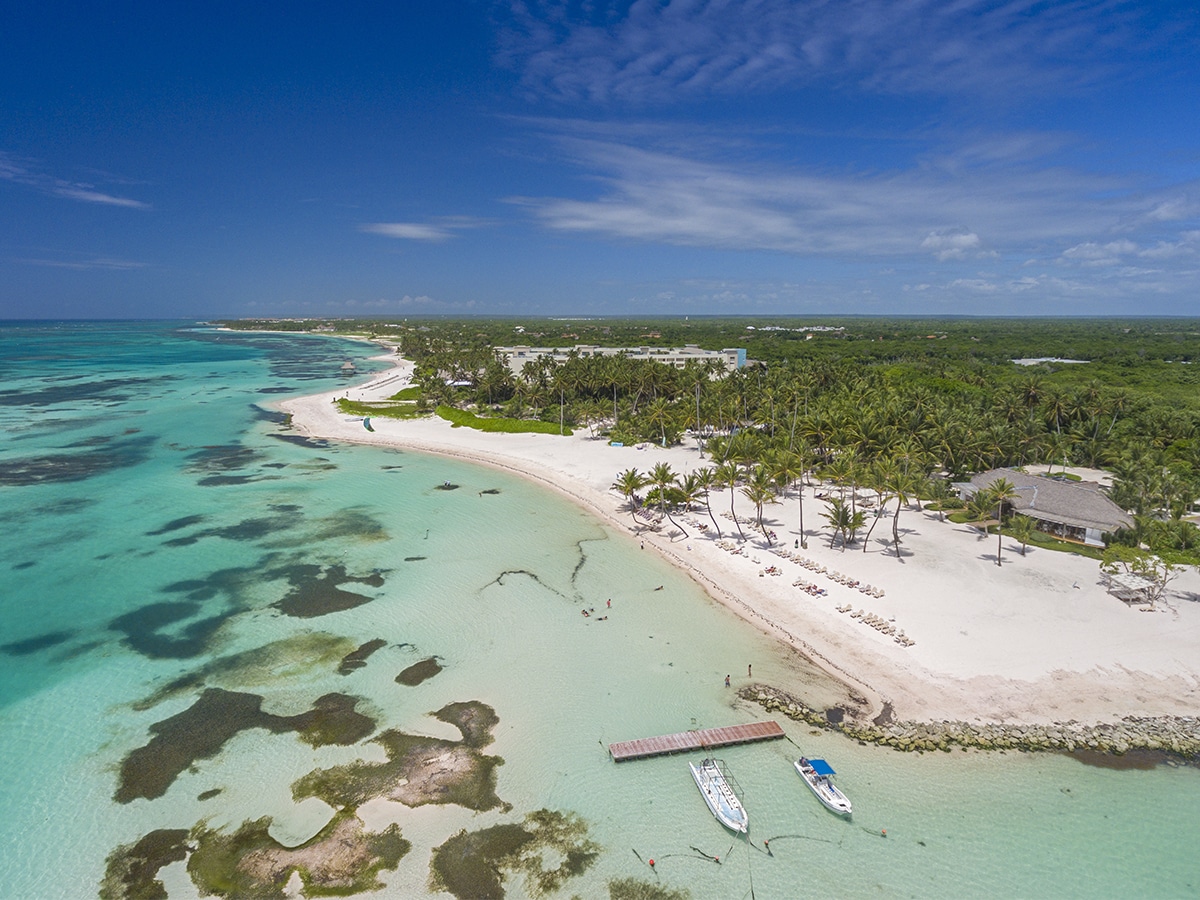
column 719, row 791
column 818, row 775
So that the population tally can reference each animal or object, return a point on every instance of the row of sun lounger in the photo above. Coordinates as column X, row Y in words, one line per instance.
column 879, row 624
column 814, row 566
column 809, row 587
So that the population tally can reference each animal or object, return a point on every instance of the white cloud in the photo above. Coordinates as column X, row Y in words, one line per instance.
column 440, row 229
column 411, row 231
column 106, row 263
column 654, row 51
column 954, row 243
column 87, row 195
column 1187, row 245
column 672, row 198
column 19, row 172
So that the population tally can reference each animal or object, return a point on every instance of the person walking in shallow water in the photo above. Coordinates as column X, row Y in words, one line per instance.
column 748, row 675
column 726, row 681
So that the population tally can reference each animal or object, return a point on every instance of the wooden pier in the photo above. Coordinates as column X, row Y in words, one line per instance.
column 704, row 739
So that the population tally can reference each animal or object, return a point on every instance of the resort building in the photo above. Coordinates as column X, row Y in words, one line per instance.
column 1071, row 510
column 730, row 359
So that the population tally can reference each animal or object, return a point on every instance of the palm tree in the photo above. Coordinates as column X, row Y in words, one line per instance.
column 902, row 485
column 760, row 489
column 707, row 478
column 838, row 516
column 1021, row 529
column 789, row 468
column 627, row 484
column 879, row 478
column 727, row 475
column 660, row 412
column 844, row 521
column 938, row 491
column 691, row 489
column 1002, row 491
column 663, row 480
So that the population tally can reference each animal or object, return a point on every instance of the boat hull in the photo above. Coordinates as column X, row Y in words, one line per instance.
column 825, row 790
column 722, row 802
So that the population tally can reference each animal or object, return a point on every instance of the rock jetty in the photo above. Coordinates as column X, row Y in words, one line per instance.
column 1171, row 736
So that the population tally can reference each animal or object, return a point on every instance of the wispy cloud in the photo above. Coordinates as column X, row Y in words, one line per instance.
column 88, row 195
column 105, row 263
column 25, row 173
column 953, row 209
column 441, row 229
column 650, row 51
column 409, row 231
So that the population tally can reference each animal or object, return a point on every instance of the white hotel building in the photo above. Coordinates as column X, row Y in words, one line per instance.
column 731, row 358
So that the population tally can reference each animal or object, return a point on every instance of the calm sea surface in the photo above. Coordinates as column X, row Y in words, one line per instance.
column 165, row 538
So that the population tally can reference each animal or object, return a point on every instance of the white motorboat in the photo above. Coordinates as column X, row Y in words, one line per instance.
column 717, row 786
column 818, row 775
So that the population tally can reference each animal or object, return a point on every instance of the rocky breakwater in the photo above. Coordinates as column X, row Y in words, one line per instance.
column 1169, row 737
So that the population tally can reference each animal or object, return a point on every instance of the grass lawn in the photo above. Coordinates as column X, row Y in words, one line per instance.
column 459, row 418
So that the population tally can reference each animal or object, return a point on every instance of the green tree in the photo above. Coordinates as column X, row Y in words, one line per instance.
column 1021, row 529
column 760, row 490
column 663, row 479
column 727, row 475
column 628, row 483
column 1002, row 491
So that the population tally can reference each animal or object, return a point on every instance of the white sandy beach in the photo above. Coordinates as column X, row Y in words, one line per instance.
column 1035, row 640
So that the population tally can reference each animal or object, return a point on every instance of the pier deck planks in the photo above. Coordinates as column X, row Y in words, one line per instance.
column 703, row 739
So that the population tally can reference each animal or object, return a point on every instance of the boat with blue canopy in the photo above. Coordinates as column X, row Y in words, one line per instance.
column 818, row 775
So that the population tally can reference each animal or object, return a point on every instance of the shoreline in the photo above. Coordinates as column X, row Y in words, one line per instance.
column 1037, row 641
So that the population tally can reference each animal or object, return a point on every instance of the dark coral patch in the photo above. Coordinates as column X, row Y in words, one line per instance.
column 288, row 659
column 145, row 630
column 275, row 417
column 63, row 467
column 474, row 864
column 176, row 525
column 98, row 440
column 474, row 720
column 227, row 480
column 318, row 593
column 208, row 795
column 636, row 889
column 358, row 657
column 223, row 458
column 114, row 390
column 200, row 732
column 419, row 769
column 418, row 672
column 132, row 869
column 27, row 564
column 302, row 441
column 36, row 644
column 352, row 522
column 468, row 864
column 341, row 860
column 332, row 720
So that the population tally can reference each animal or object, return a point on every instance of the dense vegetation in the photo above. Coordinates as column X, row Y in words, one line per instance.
column 898, row 405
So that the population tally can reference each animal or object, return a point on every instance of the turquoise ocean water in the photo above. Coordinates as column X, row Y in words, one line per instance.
column 163, row 536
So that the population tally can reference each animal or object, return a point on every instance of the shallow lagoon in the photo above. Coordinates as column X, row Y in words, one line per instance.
column 130, row 587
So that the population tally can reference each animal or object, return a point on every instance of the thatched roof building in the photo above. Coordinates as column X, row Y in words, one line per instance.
column 1072, row 510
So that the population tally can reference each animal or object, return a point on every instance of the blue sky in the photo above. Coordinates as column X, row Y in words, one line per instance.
column 761, row 157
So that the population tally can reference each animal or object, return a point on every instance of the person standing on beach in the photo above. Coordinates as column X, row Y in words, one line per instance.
column 726, row 681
